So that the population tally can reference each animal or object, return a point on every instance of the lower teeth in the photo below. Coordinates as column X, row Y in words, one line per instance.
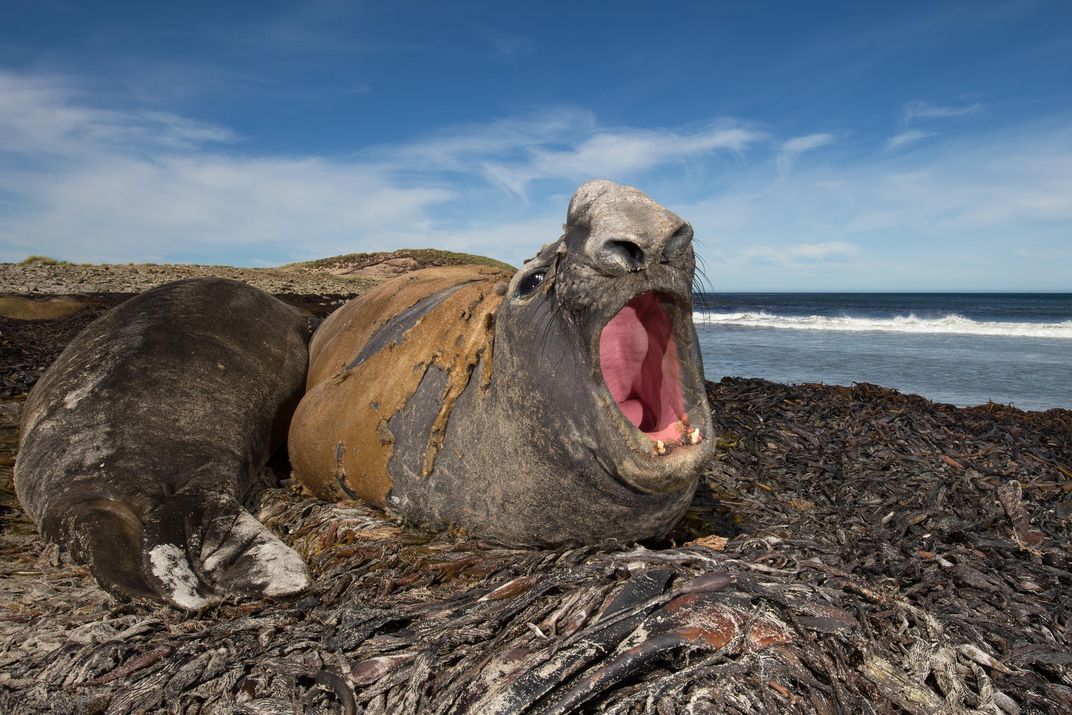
column 693, row 436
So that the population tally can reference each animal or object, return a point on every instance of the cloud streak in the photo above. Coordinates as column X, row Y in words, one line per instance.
column 925, row 110
column 907, row 137
column 44, row 117
column 620, row 153
column 919, row 110
column 797, row 146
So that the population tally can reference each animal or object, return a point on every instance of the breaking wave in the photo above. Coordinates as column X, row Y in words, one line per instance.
column 949, row 325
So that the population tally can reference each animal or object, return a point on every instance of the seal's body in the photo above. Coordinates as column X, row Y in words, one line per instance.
column 561, row 404
column 139, row 441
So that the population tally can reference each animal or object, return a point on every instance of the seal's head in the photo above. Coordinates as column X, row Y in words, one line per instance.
column 611, row 306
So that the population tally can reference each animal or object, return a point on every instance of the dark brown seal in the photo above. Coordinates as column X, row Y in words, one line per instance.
column 139, row 441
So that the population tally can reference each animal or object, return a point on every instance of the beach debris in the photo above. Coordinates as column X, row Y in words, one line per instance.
column 1010, row 494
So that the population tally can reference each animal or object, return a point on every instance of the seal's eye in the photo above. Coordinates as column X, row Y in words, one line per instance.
column 530, row 283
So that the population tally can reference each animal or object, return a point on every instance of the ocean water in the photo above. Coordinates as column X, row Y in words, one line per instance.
column 964, row 349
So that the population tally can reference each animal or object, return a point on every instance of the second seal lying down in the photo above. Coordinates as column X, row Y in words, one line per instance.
column 562, row 404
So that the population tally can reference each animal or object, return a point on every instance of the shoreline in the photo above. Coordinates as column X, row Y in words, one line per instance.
column 31, row 345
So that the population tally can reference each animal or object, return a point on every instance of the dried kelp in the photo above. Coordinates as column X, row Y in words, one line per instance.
column 30, row 346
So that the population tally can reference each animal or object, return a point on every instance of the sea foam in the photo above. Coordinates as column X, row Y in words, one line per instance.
column 951, row 324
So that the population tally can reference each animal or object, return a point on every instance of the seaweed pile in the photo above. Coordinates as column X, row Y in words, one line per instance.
column 851, row 550
column 28, row 347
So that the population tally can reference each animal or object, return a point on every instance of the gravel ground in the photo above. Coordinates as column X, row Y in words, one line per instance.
column 66, row 279
column 338, row 275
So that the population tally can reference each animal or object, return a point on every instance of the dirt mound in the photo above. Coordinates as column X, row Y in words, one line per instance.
column 339, row 275
column 388, row 264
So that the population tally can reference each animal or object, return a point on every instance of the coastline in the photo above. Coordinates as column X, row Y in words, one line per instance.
column 957, row 348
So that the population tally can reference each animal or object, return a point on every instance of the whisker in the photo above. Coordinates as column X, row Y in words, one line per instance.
column 552, row 313
column 702, row 289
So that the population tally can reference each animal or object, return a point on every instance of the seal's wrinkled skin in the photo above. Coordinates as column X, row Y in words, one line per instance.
column 561, row 404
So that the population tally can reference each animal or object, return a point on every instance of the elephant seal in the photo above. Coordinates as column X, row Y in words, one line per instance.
column 562, row 404
column 140, row 440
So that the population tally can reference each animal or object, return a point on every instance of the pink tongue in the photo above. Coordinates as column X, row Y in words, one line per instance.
column 623, row 346
column 640, row 366
column 632, row 409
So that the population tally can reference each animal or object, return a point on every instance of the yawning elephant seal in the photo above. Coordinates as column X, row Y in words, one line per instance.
column 562, row 404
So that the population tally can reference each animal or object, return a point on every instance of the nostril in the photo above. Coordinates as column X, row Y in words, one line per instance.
column 677, row 243
column 630, row 255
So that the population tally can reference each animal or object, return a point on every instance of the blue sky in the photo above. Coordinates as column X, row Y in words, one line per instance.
column 814, row 146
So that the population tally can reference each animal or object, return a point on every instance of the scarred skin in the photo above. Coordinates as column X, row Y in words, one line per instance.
column 458, row 397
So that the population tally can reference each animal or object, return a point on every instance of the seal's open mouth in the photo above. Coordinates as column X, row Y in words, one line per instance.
column 639, row 360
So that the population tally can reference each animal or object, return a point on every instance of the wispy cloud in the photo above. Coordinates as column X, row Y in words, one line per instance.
column 621, row 153
column 797, row 146
column 801, row 252
column 45, row 117
column 907, row 137
column 925, row 110
column 916, row 110
column 471, row 147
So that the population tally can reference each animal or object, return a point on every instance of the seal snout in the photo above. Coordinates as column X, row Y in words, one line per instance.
column 641, row 367
column 625, row 231
column 631, row 252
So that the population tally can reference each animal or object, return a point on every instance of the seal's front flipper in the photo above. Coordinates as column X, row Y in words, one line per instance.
column 198, row 549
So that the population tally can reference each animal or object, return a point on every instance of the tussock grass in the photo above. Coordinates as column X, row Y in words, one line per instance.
column 43, row 260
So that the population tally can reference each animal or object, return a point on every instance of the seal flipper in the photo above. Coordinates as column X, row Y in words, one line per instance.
column 107, row 538
column 240, row 555
column 198, row 548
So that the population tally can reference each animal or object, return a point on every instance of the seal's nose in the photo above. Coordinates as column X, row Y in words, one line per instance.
column 621, row 252
column 636, row 252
